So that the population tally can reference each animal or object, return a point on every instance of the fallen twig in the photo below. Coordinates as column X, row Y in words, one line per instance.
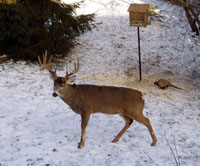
column 151, row 158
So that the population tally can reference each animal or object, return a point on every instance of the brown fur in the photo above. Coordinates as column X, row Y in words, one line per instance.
column 88, row 99
column 163, row 84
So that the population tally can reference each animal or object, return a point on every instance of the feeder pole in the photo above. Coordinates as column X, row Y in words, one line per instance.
column 140, row 68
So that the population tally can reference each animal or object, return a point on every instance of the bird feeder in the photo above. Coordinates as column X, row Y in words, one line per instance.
column 138, row 16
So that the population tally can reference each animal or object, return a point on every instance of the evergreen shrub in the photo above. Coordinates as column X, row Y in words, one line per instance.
column 30, row 27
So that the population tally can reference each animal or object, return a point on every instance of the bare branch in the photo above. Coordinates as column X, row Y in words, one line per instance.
column 176, row 151
column 177, row 163
column 151, row 159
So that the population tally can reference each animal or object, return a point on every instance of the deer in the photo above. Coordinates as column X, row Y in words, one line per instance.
column 85, row 99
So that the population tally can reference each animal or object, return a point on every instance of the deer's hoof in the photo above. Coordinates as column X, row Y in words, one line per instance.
column 115, row 140
column 80, row 145
column 153, row 144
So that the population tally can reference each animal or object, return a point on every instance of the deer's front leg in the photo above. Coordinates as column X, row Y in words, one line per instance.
column 84, row 121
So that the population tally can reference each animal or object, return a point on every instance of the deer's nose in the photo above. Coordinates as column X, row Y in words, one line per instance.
column 55, row 94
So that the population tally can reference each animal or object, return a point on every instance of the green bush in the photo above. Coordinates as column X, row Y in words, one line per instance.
column 30, row 27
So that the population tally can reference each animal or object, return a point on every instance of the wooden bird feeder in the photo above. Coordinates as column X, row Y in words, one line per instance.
column 138, row 14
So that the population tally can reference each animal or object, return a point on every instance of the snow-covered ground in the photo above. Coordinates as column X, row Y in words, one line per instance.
column 37, row 129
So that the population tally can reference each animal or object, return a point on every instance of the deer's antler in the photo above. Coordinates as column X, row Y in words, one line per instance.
column 45, row 64
column 76, row 69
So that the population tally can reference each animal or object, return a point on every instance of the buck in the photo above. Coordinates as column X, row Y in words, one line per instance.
column 88, row 99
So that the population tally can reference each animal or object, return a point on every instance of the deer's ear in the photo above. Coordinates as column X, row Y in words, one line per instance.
column 53, row 75
column 71, row 80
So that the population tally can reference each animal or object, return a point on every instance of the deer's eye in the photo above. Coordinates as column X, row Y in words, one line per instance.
column 59, row 81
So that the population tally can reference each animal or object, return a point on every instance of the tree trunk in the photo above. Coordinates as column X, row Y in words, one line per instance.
column 196, row 16
column 191, row 20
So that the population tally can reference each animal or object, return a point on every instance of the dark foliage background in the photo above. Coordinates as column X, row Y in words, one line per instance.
column 30, row 27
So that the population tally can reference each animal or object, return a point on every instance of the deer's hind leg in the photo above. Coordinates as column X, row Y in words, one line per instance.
column 128, row 122
column 142, row 119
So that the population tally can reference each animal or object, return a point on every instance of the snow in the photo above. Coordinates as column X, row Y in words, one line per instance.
column 37, row 129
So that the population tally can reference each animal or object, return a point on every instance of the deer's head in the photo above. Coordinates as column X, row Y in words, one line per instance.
column 59, row 82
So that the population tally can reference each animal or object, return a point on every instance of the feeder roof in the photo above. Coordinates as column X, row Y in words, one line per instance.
column 139, row 8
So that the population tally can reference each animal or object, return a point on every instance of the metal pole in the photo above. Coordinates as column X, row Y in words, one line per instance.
column 140, row 68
